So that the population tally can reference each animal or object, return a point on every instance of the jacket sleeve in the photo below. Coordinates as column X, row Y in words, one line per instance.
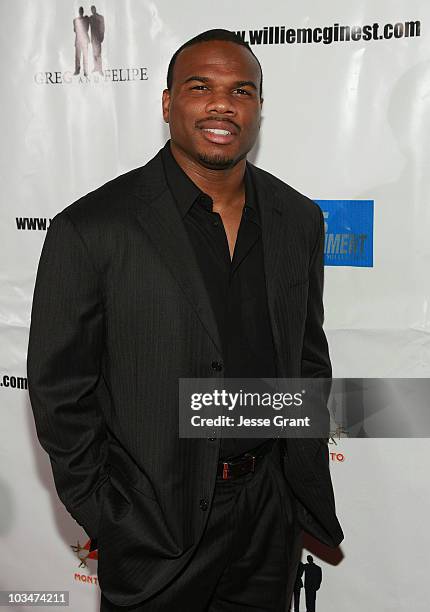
column 306, row 461
column 64, row 370
column 315, row 353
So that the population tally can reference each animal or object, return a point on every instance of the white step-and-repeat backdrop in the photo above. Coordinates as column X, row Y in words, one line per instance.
column 347, row 122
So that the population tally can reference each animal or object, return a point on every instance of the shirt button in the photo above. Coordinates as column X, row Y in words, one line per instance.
column 204, row 504
column 211, row 439
column 217, row 365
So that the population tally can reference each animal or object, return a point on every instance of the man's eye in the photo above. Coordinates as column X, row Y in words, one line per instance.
column 242, row 91
column 199, row 87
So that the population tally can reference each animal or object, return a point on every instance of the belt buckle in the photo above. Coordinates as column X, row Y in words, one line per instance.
column 226, row 472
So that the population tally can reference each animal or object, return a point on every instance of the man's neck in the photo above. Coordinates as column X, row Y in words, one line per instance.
column 226, row 187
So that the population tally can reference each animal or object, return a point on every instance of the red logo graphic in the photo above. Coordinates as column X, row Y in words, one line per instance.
column 83, row 553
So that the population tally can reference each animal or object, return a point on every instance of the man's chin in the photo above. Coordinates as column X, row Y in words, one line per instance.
column 217, row 161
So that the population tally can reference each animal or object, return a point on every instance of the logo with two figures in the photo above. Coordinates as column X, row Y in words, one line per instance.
column 88, row 29
column 89, row 36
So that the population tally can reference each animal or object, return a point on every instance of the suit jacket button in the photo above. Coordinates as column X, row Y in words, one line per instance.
column 212, row 439
column 204, row 504
column 217, row 365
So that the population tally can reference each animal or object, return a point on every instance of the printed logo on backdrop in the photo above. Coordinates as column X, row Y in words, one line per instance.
column 348, row 232
column 309, row 577
column 83, row 553
column 338, row 433
column 86, row 572
column 82, row 25
column 89, row 36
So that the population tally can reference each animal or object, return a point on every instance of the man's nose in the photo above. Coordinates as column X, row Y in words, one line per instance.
column 221, row 102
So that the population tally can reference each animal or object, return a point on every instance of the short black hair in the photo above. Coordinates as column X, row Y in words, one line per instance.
column 216, row 34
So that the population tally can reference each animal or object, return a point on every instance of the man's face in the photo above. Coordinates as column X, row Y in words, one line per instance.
column 215, row 87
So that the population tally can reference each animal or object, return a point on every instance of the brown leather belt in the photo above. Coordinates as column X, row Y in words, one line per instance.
column 244, row 464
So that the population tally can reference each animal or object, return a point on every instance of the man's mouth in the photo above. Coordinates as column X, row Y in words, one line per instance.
column 218, row 135
column 216, row 131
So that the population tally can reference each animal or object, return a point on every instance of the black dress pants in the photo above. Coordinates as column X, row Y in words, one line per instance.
column 311, row 596
column 248, row 556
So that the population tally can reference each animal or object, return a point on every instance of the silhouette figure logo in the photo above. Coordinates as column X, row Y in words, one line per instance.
column 312, row 581
column 88, row 29
column 93, row 66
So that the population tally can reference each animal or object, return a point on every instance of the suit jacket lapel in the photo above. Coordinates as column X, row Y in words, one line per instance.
column 161, row 221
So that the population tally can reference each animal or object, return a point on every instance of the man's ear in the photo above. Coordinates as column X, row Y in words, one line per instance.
column 166, row 105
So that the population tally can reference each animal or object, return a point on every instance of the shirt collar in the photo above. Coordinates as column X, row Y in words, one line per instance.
column 185, row 192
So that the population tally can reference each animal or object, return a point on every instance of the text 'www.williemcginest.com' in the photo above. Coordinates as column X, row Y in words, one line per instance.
column 335, row 33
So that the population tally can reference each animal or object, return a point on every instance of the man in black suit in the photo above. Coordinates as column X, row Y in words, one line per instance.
column 313, row 579
column 97, row 28
column 198, row 264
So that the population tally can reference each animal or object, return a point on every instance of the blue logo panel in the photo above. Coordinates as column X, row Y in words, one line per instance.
column 348, row 232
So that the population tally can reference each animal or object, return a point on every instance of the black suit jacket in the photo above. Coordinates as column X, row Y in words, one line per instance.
column 120, row 312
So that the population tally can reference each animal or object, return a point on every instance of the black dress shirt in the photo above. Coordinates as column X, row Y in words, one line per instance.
column 236, row 287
